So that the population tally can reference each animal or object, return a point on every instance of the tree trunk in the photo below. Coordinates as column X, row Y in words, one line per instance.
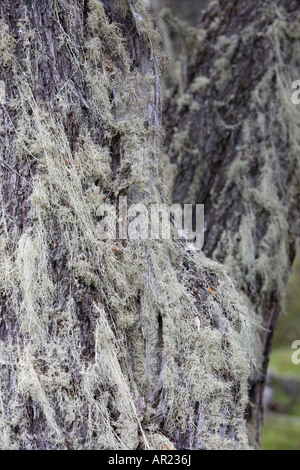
column 188, row 10
column 103, row 344
column 233, row 141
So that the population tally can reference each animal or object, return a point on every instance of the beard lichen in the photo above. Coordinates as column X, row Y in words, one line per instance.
column 107, row 345
column 251, row 160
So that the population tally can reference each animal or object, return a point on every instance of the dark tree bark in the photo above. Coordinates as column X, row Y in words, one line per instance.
column 233, row 139
column 103, row 344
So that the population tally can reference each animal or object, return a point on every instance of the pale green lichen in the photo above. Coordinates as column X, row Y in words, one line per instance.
column 132, row 286
column 199, row 84
column 7, row 46
column 267, row 143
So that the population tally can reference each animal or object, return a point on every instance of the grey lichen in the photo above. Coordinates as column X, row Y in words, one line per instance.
column 109, row 345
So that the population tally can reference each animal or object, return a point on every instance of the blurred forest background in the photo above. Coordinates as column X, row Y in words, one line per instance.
column 282, row 396
column 282, row 422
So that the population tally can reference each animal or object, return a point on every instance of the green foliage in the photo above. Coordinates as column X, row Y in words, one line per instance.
column 281, row 432
column 281, row 361
column 288, row 329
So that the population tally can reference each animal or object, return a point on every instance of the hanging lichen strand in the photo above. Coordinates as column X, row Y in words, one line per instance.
column 103, row 345
column 241, row 156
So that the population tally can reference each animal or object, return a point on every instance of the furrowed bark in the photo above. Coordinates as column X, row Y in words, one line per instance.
column 104, row 344
column 233, row 140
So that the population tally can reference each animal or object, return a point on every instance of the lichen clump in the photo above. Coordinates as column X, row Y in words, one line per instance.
column 106, row 345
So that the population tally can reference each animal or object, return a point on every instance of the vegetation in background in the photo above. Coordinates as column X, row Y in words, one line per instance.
column 282, row 425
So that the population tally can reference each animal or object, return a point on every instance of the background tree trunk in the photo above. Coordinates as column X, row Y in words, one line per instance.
column 233, row 140
column 188, row 10
column 103, row 345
